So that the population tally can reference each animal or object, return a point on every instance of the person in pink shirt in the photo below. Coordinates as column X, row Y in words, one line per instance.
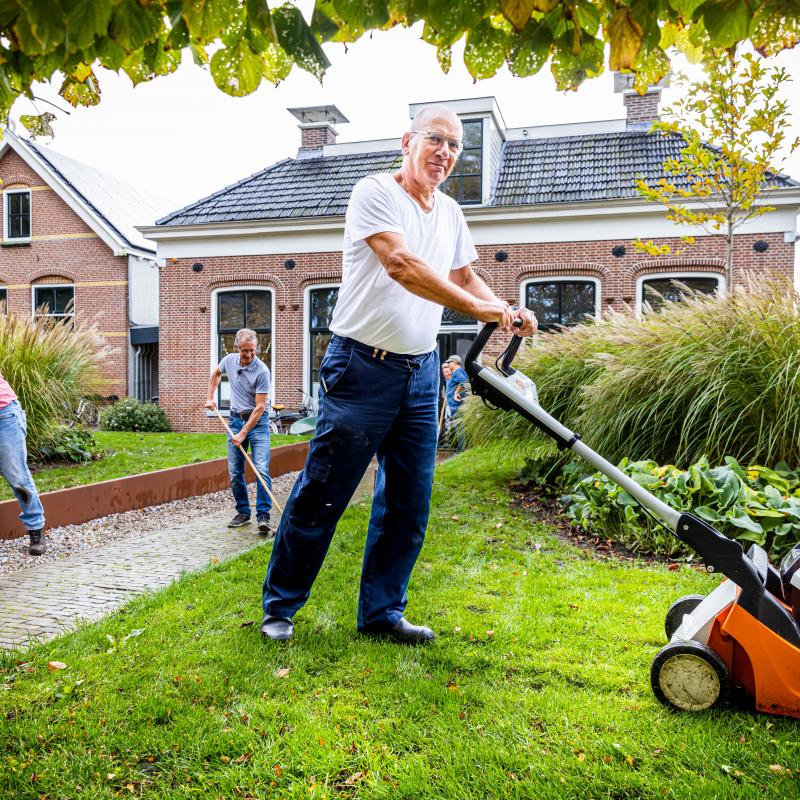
column 14, row 466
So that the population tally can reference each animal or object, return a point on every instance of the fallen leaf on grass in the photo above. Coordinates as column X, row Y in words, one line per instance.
column 455, row 518
column 674, row 567
column 244, row 757
column 490, row 633
column 278, row 770
column 580, row 755
column 776, row 768
column 354, row 779
column 246, row 624
column 56, row 665
column 282, row 672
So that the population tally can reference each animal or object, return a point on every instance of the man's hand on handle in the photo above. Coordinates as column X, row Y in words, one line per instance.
column 501, row 312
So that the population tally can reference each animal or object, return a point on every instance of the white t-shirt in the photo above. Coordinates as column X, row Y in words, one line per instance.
column 371, row 307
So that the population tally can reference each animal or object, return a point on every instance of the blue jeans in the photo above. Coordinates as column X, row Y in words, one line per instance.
column 368, row 406
column 258, row 441
column 14, row 465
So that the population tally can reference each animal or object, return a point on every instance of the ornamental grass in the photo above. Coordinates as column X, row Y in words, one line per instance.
column 50, row 365
column 707, row 376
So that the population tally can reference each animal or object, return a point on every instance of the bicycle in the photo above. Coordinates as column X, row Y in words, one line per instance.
column 282, row 420
column 86, row 414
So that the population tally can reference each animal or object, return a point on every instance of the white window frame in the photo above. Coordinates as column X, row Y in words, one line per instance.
column 675, row 276
column 4, row 288
column 306, row 334
column 214, row 358
column 36, row 286
column 16, row 239
column 523, row 289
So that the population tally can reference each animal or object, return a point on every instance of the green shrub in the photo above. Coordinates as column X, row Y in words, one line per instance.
column 76, row 445
column 131, row 415
column 710, row 375
column 753, row 504
column 50, row 366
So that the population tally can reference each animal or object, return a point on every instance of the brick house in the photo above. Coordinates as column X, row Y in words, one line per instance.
column 70, row 250
column 553, row 211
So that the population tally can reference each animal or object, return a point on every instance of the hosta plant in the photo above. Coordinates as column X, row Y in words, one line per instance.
column 750, row 504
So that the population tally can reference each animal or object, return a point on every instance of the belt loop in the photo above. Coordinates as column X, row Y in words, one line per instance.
column 374, row 352
column 383, row 354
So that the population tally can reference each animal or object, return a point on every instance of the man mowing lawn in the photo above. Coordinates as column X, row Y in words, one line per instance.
column 406, row 254
column 249, row 380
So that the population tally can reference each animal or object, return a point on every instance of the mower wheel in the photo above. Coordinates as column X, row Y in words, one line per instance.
column 683, row 605
column 689, row 676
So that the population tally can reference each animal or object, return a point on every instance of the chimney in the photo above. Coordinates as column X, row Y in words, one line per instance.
column 316, row 128
column 642, row 109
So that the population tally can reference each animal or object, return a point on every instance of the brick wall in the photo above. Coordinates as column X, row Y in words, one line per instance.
column 186, row 307
column 63, row 249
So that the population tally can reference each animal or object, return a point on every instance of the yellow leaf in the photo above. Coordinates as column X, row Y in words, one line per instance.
column 517, row 12
column 278, row 770
column 625, row 36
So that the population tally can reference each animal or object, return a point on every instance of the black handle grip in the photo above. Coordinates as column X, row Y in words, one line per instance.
column 476, row 348
column 510, row 352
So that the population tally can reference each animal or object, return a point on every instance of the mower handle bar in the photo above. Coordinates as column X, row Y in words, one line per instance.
column 494, row 388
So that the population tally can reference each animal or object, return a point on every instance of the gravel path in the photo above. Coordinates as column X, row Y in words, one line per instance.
column 71, row 539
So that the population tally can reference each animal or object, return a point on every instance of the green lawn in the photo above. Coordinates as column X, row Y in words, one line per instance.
column 134, row 453
column 536, row 687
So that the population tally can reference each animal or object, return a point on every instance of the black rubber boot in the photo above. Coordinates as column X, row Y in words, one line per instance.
column 37, row 546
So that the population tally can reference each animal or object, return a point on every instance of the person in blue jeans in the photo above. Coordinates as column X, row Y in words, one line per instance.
column 14, row 466
column 249, row 380
column 406, row 254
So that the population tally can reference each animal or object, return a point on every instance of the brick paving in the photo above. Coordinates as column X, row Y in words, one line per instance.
column 42, row 602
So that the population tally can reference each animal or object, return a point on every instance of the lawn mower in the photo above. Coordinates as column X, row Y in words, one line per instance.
column 744, row 635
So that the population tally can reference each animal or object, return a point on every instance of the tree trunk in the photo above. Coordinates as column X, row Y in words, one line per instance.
column 729, row 257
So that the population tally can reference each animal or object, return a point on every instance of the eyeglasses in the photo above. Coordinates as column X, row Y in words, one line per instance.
column 455, row 146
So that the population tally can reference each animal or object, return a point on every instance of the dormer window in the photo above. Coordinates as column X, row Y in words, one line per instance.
column 464, row 183
column 17, row 216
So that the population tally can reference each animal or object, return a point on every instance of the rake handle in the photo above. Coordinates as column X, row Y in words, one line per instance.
column 250, row 462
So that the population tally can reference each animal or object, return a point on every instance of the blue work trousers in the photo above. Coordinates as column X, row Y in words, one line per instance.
column 258, row 442
column 14, row 465
column 371, row 402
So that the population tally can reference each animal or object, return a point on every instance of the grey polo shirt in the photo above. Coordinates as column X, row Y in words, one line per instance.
column 245, row 382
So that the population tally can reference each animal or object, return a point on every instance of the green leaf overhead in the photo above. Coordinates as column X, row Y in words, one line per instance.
column 297, row 39
column 87, row 19
column 40, row 26
column 726, row 21
column 578, row 38
column 208, row 19
column 237, row 70
column 485, row 51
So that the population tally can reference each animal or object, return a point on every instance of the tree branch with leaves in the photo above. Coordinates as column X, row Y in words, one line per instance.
column 245, row 42
column 733, row 123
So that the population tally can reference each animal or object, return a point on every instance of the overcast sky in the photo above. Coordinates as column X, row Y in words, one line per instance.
column 182, row 138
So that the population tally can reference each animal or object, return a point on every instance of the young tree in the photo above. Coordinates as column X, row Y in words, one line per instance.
column 246, row 41
column 734, row 125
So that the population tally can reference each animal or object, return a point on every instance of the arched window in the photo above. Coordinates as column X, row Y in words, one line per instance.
column 242, row 308
column 561, row 301
column 656, row 290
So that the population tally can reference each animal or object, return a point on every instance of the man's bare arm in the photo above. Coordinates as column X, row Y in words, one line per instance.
column 413, row 274
column 213, row 382
column 468, row 280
